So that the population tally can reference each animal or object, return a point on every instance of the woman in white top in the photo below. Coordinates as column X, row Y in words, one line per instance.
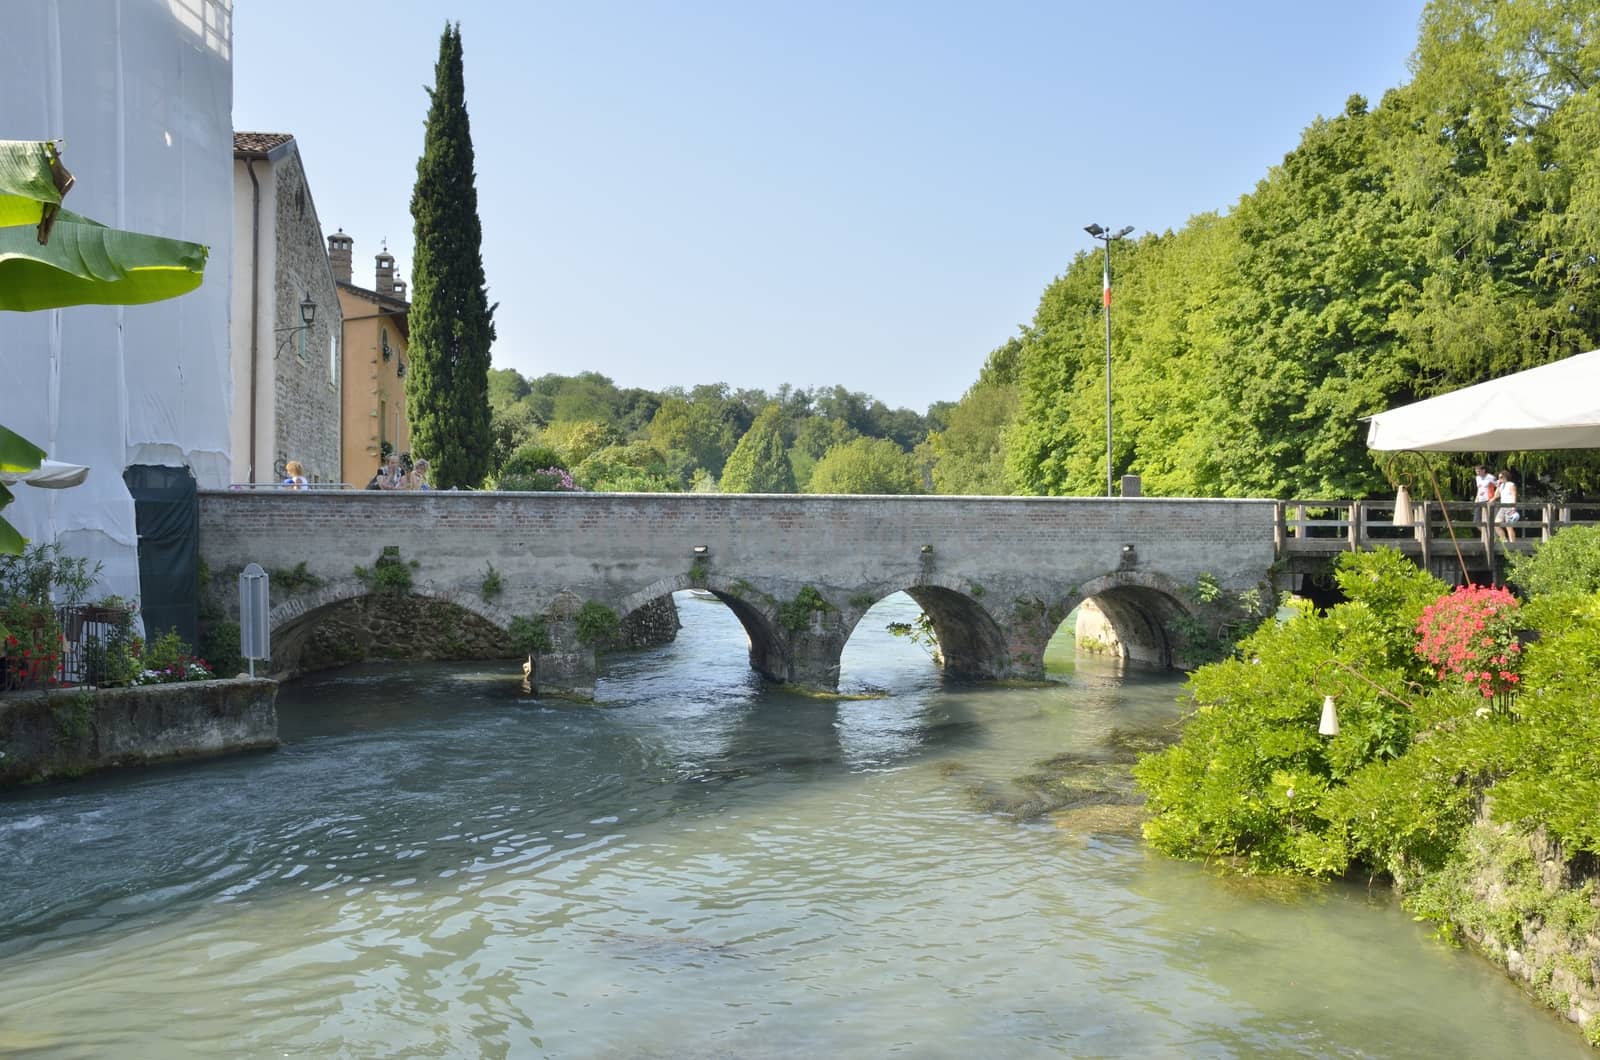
column 1505, row 496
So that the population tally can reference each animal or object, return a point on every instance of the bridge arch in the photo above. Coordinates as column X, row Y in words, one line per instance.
column 972, row 641
column 769, row 654
column 1142, row 609
column 295, row 621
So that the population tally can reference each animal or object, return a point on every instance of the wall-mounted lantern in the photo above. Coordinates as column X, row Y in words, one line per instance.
column 308, row 317
column 701, row 551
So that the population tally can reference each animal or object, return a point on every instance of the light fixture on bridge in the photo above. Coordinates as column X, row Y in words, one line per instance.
column 1130, row 557
column 927, row 550
column 701, row 550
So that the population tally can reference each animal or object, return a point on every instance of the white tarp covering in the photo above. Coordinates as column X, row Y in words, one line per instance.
column 1554, row 406
column 141, row 94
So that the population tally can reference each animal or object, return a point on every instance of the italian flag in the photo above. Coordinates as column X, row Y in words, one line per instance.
column 1106, row 294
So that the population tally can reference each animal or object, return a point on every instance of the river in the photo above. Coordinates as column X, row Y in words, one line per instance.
column 435, row 864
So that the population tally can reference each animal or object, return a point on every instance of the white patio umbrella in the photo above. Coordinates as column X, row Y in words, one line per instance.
column 1554, row 406
column 50, row 475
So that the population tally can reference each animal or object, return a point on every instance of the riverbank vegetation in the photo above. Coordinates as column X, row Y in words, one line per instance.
column 1466, row 725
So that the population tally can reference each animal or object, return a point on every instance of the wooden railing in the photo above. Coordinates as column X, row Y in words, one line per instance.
column 1320, row 527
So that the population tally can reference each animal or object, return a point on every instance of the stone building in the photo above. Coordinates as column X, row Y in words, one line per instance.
column 286, row 328
column 375, row 359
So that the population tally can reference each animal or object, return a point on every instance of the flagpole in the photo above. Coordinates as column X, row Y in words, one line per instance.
column 1106, row 237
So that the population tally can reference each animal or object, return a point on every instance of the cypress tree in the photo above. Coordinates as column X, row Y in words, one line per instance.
column 452, row 324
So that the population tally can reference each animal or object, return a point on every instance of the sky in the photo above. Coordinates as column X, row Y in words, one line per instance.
column 866, row 194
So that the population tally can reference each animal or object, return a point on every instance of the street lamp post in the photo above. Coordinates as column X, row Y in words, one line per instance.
column 1106, row 237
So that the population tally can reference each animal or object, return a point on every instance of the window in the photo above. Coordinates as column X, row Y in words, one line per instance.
column 333, row 359
column 383, row 336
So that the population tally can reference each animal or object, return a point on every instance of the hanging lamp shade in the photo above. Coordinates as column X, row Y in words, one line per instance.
column 1403, row 515
column 1330, row 718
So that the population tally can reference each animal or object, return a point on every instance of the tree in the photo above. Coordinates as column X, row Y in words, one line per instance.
column 866, row 465
column 452, row 323
column 760, row 462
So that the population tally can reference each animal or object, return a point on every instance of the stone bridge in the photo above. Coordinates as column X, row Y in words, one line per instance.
column 995, row 575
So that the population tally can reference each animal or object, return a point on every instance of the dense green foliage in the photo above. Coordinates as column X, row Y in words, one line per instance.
column 597, row 624
column 760, row 462
column 610, row 439
column 1434, row 710
column 1442, row 237
column 865, row 465
column 1568, row 562
column 451, row 321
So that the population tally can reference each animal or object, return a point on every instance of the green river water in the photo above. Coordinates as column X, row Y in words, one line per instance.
column 436, row 865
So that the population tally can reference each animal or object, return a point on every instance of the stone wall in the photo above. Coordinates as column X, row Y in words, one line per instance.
column 650, row 626
column 391, row 626
column 1533, row 911
column 307, row 406
column 67, row 733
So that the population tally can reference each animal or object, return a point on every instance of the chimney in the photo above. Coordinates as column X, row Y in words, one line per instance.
column 339, row 246
column 385, row 283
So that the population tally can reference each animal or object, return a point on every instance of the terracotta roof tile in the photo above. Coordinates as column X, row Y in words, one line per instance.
column 258, row 143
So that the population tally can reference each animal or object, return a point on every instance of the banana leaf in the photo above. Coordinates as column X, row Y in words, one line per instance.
column 16, row 454
column 86, row 263
column 32, row 182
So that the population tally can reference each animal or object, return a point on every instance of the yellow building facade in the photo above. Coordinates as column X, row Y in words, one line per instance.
column 375, row 360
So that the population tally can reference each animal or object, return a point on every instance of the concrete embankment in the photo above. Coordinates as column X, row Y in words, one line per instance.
column 70, row 732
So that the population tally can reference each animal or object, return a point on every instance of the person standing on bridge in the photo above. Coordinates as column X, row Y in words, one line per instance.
column 1506, row 514
column 1485, row 482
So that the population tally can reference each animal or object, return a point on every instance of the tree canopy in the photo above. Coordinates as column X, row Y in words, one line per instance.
column 1445, row 236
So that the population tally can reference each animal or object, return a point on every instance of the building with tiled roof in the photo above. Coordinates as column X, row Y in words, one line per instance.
column 376, row 333
column 287, row 369
column 257, row 144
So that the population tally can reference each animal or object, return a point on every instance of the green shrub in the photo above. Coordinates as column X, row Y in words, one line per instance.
column 219, row 645
column 167, row 659
column 529, row 458
column 389, row 574
column 293, row 579
column 491, row 587
column 1568, row 562
column 530, row 635
column 597, row 624
column 796, row 614
column 1251, row 778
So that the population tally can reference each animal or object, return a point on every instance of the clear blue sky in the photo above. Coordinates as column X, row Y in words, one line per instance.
column 866, row 194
